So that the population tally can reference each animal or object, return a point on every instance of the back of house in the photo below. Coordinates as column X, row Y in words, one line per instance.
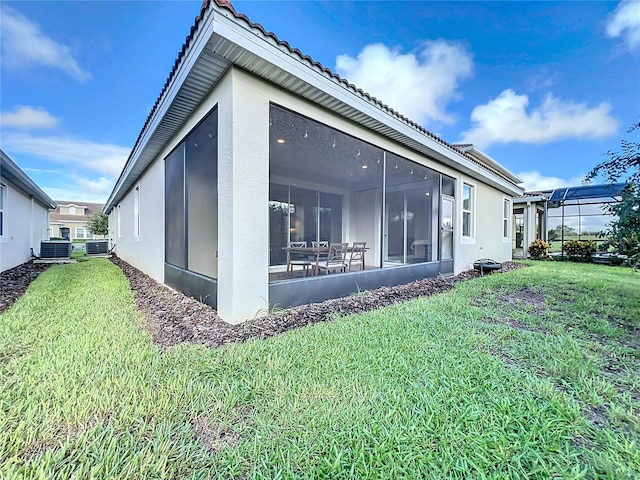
column 252, row 145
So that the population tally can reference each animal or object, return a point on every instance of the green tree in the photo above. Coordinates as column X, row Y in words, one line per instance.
column 556, row 233
column 624, row 166
column 98, row 224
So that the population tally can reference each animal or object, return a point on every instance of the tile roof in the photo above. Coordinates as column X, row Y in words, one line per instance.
column 91, row 208
column 226, row 4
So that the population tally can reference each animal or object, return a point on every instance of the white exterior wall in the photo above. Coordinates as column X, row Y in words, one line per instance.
column 26, row 224
column 243, row 199
column 488, row 241
column 146, row 252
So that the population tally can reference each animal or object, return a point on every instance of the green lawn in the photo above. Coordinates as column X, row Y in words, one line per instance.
column 528, row 374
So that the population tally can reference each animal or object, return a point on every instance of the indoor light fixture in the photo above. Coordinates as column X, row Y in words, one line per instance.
column 280, row 140
column 365, row 166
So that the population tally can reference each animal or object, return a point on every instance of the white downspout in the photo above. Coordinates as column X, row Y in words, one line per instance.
column 31, row 210
column 527, row 232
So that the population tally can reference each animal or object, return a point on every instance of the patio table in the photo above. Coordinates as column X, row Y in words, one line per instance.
column 318, row 252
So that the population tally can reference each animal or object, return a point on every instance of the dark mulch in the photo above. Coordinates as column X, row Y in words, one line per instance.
column 14, row 282
column 173, row 318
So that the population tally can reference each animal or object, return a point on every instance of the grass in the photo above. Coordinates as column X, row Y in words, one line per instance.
column 530, row 374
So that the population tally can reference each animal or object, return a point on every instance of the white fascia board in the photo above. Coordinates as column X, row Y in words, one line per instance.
column 539, row 198
column 280, row 57
column 487, row 159
column 198, row 44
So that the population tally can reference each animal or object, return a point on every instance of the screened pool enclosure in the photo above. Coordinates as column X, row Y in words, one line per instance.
column 580, row 213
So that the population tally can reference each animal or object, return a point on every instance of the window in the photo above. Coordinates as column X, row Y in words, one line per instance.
column 72, row 210
column 82, row 233
column 467, row 210
column 136, row 212
column 3, row 190
column 506, row 213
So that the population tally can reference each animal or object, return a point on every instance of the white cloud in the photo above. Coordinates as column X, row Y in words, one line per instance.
column 24, row 45
column 505, row 120
column 431, row 74
column 101, row 185
column 42, row 171
column 534, row 181
column 625, row 22
column 73, row 193
column 103, row 158
column 28, row 117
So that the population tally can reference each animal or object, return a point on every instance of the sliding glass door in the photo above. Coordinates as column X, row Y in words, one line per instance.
column 299, row 214
column 409, row 212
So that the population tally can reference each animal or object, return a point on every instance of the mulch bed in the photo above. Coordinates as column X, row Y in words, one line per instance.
column 173, row 318
column 14, row 282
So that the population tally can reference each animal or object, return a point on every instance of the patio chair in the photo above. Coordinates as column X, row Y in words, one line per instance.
column 300, row 259
column 357, row 255
column 321, row 244
column 487, row 265
column 336, row 258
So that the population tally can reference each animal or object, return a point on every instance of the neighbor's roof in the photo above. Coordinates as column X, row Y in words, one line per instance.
column 531, row 197
column 222, row 38
column 90, row 208
column 13, row 174
column 478, row 154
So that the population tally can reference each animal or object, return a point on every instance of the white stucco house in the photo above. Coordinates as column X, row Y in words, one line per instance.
column 252, row 145
column 24, row 215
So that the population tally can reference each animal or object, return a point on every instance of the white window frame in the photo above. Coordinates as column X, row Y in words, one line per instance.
column 507, row 214
column 470, row 238
column 85, row 233
column 72, row 210
column 136, row 213
column 4, row 190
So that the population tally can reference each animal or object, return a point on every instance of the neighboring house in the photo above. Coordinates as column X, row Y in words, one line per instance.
column 252, row 144
column 69, row 220
column 24, row 215
column 563, row 214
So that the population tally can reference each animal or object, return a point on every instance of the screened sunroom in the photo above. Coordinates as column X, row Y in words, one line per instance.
column 328, row 186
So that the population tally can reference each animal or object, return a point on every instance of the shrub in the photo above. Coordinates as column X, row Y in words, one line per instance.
column 538, row 250
column 578, row 250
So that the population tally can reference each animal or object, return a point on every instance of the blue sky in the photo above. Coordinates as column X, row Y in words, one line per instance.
column 545, row 88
